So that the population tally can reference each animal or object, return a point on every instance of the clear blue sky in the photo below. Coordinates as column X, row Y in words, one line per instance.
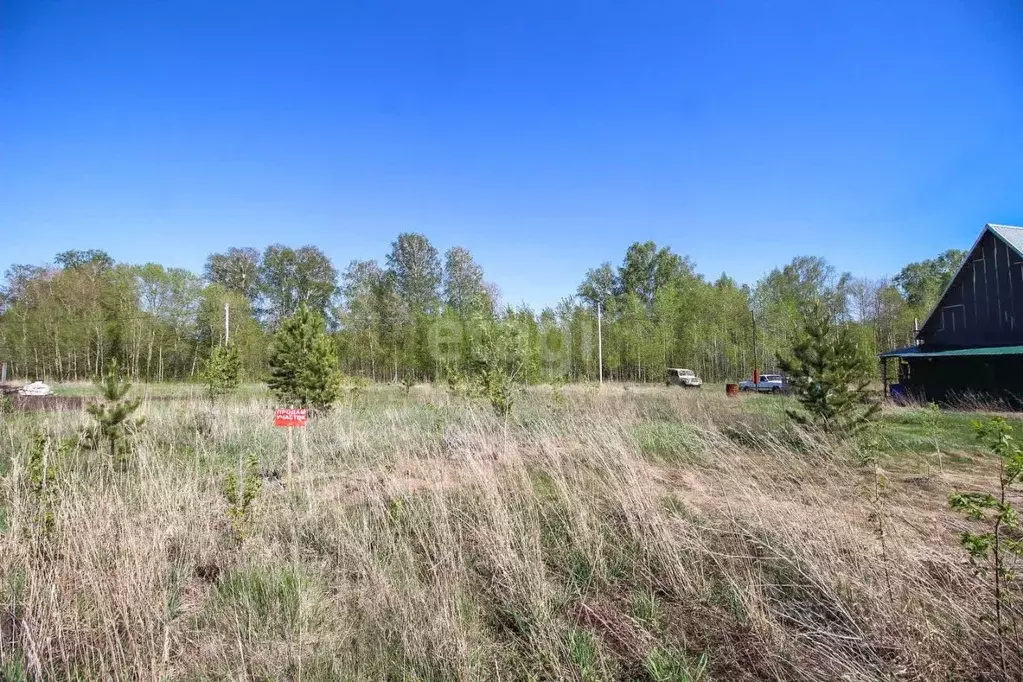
column 545, row 136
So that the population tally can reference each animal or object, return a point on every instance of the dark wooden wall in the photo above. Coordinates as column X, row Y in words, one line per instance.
column 984, row 379
column 984, row 305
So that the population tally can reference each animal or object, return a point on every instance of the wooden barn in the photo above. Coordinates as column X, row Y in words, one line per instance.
column 971, row 345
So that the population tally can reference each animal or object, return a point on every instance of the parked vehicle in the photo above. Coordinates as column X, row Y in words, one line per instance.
column 769, row 383
column 686, row 378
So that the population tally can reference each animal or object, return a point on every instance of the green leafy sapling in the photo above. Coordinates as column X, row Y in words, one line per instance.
column 222, row 374
column 462, row 385
column 498, row 362
column 995, row 549
column 877, row 496
column 112, row 416
column 240, row 491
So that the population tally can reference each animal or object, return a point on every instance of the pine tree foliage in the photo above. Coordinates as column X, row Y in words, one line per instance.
column 223, row 371
column 113, row 414
column 829, row 375
column 41, row 474
column 303, row 363
column 240, row 491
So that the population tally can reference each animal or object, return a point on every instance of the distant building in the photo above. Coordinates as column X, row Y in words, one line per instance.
column 971, row 345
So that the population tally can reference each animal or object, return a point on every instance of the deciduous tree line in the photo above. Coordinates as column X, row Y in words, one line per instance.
column 419, row 313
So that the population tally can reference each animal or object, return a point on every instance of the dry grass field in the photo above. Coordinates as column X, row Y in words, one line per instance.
column 635, row 533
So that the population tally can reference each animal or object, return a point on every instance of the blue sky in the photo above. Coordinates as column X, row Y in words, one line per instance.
column 544, row 136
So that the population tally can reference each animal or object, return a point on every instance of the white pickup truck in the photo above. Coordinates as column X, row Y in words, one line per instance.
column 769, row 383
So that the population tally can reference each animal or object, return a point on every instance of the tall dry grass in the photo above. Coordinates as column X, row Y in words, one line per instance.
column 622, row 534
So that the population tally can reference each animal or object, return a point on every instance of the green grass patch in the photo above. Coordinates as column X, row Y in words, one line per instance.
column 669, row 442
column 585, row 655
column 668, row 664
column 646, row 608
column 927, row 431
column 262, row 599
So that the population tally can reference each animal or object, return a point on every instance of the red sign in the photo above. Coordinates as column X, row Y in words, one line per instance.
column 286, row 417
column 756, row 377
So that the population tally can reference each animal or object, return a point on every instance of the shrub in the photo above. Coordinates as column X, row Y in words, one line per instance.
column 498, row 363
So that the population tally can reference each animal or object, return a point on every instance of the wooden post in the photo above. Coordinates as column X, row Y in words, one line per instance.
column 755, row 375
column 600, row 349
column 289, row 430
column 884, row 377
column 305, row 455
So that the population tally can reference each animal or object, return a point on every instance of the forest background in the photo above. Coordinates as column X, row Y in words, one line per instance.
column 415, row 315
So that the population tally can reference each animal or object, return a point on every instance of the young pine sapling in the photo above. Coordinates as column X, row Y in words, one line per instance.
column 112, row 416
column 40, row 472
column 303, row 362
column 240, row 491
column 830, row 375
column 222, row 374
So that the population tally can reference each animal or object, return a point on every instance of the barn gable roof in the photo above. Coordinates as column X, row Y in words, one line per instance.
column 1010, row 235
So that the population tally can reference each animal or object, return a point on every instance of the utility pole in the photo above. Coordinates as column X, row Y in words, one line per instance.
column 600, row 348
column 227, row 324
column 756, row 376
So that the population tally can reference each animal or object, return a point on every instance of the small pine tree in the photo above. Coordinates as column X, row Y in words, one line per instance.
column 223, row 371
column 112, row 415
column 829, row 375
column 303, row 365
column 240, row 491
column 40, row 478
